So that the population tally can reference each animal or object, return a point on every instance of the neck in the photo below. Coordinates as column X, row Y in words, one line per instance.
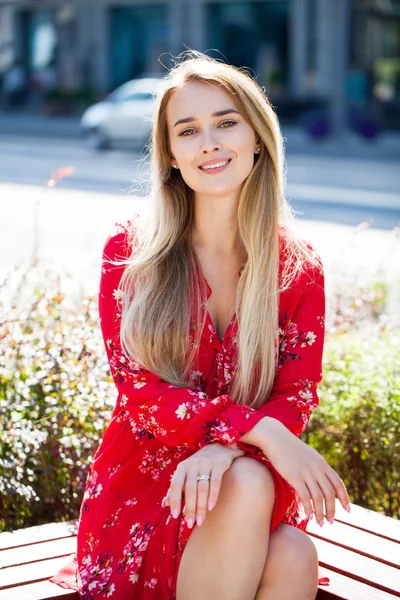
column 216, row 228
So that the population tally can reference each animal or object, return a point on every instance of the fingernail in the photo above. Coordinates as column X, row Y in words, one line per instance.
column 211, row 505
column 175, row 514
column 311, row 516
column 190, row 523
column 199, row 520
column 331, row 520
column 348, row 508
column 321, row 522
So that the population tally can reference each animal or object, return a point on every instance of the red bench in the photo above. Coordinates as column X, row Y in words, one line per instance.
column 360, row 553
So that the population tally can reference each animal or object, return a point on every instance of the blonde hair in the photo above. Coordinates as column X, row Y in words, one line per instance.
column 161, row 272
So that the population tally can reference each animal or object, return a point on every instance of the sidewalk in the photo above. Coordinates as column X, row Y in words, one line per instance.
column 386, row 147
column 23, row 123
column 71, row 240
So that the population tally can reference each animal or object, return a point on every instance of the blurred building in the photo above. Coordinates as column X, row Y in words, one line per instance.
column 290, row 45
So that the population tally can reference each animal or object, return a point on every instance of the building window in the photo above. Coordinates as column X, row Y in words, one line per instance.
column 253, row 35
column 138, row 36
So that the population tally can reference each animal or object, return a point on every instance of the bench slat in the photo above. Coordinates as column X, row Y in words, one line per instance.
column 358, row 540
column 39, row 533
column 369, row 521
column 358, row 567
column 42, row 590
column 37, row 552
column 341, row 587
column 37, row 571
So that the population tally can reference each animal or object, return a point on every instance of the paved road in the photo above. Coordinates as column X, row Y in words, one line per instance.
column 319, row 187
column 73, row 226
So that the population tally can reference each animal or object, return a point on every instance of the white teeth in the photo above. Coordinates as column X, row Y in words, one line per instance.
column 216, row 165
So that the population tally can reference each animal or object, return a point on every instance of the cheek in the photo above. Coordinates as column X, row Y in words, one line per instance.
column 184, row 151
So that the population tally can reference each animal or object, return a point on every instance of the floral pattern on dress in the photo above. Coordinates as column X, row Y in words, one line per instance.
column 129, row 546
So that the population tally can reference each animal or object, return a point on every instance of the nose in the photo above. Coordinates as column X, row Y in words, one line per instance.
column 209, row 142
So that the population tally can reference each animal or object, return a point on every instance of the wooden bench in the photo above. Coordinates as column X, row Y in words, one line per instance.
column 360, row 553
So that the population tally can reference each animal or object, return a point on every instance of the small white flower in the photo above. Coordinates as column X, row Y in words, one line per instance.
column 110, row 590
column 182, row 412
column 196, row 374
column 118, row 294
column 306, row 395
column 97, row 491
column 131, row 502
column 311, row 337
column 134, row 528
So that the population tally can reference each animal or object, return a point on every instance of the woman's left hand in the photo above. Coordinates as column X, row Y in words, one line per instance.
column 213, row 459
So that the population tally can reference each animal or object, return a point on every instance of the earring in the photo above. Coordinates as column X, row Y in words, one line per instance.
column 175, row 166
column 258, row 149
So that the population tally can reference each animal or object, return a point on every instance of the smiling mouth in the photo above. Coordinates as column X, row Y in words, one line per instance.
column 216, row 167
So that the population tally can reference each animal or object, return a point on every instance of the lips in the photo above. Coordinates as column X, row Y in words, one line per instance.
column 218, row 164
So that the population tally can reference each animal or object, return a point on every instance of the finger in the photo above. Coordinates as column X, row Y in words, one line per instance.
column 191, row 497
column 175, row 491
column 203, row 489
column 340, row 488
column 317, row 497
column 305, row 498
column 215, row 487
column 329, row 498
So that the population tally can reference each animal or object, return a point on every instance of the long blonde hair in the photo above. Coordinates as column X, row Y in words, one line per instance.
column 161, row 272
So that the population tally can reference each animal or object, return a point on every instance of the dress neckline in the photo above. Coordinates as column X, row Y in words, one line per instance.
column 208, row 316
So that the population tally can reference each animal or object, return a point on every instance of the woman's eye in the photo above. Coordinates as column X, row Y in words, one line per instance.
column 232, row 123
column 229, row 123
column 185, row 132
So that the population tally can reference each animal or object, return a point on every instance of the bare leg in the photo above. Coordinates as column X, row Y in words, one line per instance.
column 291, row 568
column 224, row 559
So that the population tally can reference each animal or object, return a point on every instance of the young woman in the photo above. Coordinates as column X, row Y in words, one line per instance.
column 212, row 314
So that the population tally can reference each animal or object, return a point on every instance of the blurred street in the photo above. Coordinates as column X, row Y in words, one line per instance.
column 347, row 183
column 72, row 226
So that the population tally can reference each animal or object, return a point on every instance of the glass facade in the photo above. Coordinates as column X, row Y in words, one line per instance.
column 253, row 35
column 138, row 36
column 375, row 57
column 39, row 38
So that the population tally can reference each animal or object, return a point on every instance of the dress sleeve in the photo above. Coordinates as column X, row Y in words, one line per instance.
column 302, row 329
column 156, row 409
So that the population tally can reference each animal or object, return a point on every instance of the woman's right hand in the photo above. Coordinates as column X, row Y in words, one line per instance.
column 213, row 459
column 304, row 469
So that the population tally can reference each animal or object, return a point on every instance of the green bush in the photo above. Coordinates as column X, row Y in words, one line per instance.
column 356, row 426
column 57, row 395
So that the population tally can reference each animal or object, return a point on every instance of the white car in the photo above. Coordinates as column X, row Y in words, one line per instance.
column 124, row 117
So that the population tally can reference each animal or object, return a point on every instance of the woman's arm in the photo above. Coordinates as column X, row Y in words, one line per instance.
column 294, row 393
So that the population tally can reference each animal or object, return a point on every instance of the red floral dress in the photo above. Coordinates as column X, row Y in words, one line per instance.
column 129, row 547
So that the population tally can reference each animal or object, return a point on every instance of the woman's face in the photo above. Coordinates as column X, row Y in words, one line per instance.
column 208, row 137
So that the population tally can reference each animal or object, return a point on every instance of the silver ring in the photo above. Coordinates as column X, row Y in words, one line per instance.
column 200, row 477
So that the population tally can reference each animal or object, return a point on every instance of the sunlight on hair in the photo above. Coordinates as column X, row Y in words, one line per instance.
column 156, row 320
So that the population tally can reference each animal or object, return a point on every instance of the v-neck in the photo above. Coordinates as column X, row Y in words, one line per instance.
column 211, row 324
column 208, row 316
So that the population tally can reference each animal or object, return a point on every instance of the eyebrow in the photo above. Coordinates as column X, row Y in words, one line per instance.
column 219, row 113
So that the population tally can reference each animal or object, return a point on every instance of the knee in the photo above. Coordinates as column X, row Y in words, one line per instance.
column 250, row 480
column 296, row 551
